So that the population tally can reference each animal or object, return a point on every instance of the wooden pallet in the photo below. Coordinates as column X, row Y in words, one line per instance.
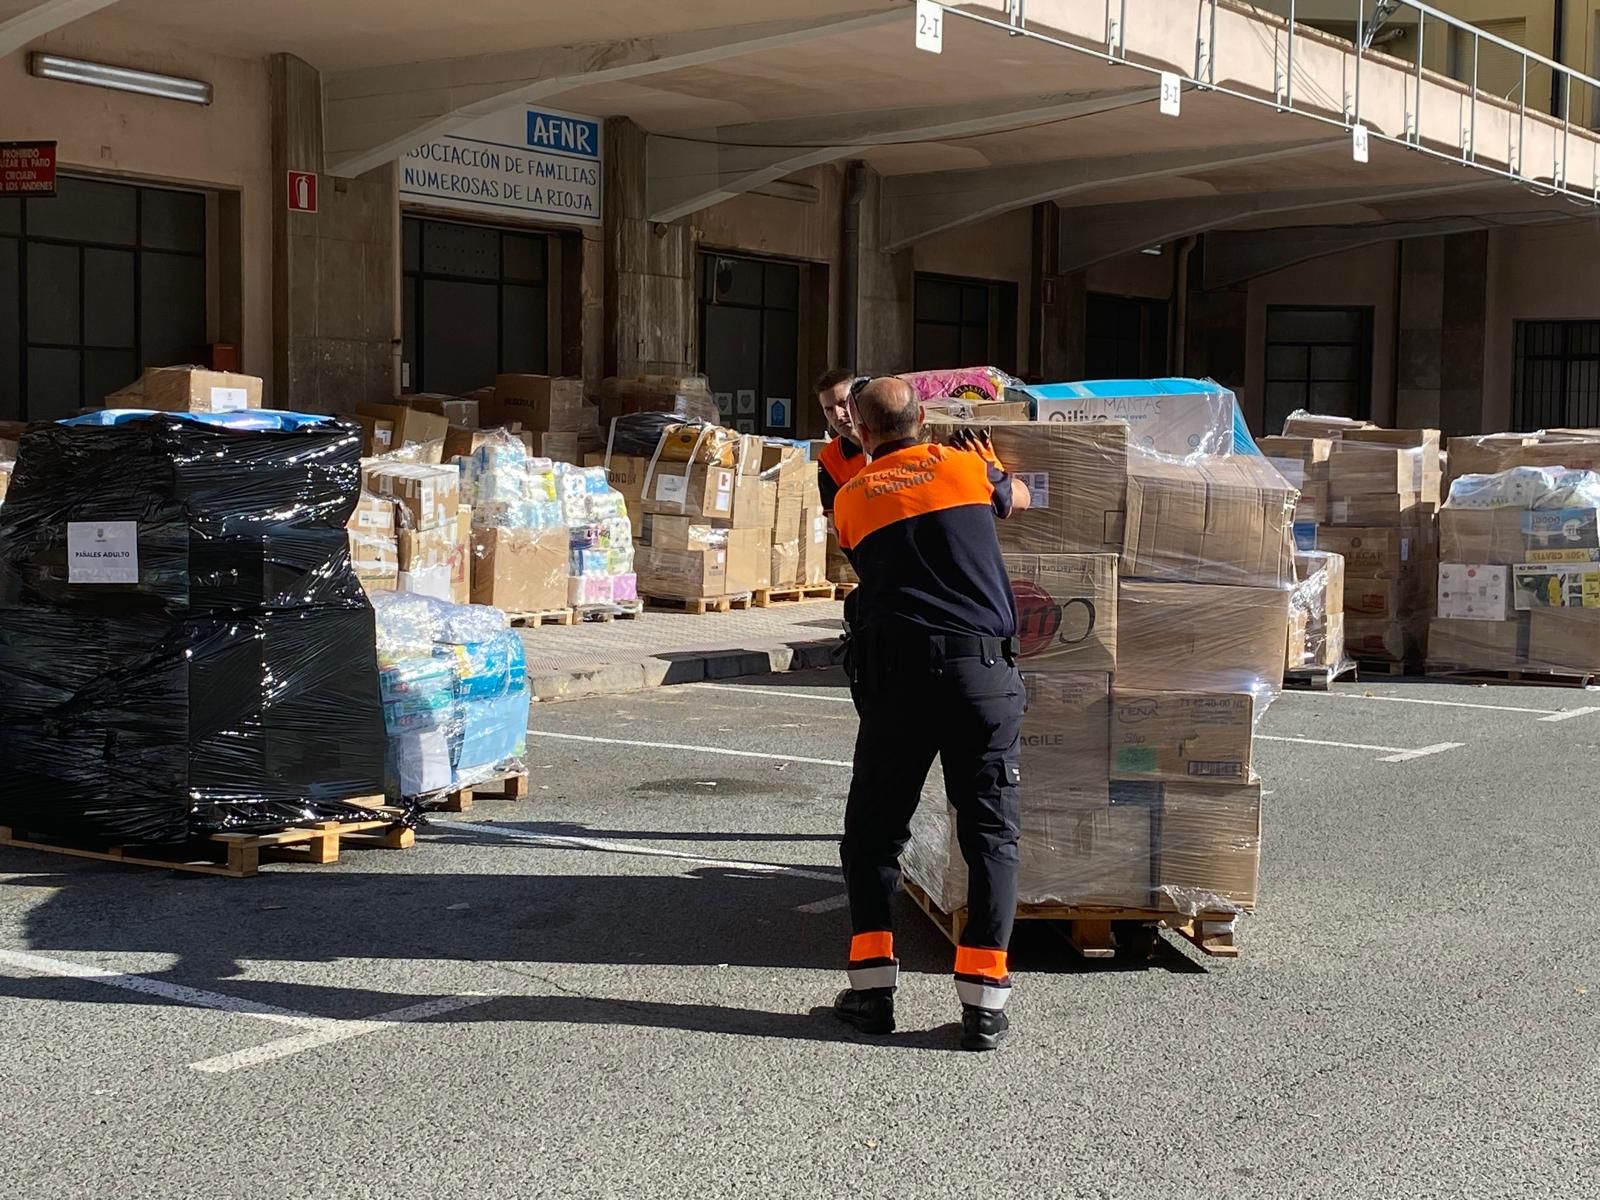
column 1319, row 679
column 699, row 607
column 623, row 610
column 841, row 590
column 509, row 787
column 1383, row 667
column 1530, row 676
column 553, row 616
column 805, row 594
column 240, row 855
column 1089, row 930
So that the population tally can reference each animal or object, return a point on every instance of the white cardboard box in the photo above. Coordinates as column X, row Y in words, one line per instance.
column 1474, row 591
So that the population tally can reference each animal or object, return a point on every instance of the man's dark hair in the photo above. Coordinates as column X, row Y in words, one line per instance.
column 831, row 378
column 888, row 408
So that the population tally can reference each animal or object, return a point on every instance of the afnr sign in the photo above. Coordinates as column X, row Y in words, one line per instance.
column 526, row 162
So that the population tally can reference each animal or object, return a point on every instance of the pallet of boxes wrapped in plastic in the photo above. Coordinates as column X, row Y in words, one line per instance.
column 455, row 697
column 1152, row 599
column 1314, row 654
column 1519, row 576
column 188, row 653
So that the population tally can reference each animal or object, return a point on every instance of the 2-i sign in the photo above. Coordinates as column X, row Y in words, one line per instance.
column 930, row 26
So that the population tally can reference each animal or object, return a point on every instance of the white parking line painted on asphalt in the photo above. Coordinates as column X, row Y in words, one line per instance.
column 562, row 841
column 605, row 741
column 330, row 1031
column 1393, row 753
column 176, row 992
column 771, row 693
column 1551, row 714
column 842, row 900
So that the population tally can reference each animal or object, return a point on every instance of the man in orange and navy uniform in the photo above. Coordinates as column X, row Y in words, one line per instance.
column 842, row 457
column 932, row 661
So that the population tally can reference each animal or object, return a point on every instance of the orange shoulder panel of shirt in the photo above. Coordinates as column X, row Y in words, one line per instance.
column 840, row 468
column 908, row 483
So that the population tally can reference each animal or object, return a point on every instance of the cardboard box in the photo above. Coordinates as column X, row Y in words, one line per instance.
column 1399, row 509
column 781, row 458
column 750, row 493
column 520, row 570
column 1481, row 535
column 1066, row 730
column 1564, row 639
column 1553, row 585
column 1209, row 856
column 1375, row 599
column 373, row 514
column 1217, row 521
column 189, row 389
column 1389, row 640
column 749, row 565
column 1309, row 564
column 1474, row 592
column 374, row 559
column 1297, row 645
column 678, row 533
column 429, row 494
column 1359, row 469
column 1197, row 637
column 1425, row 440
column 1304, row 424
column 683, row 574
column 1312, row 507
column 422, row 548
column 1182, row 735
column 785, row 572
column 1100, row 857
column 813, row 547
column 1556, row 532
column 1457, row 645
column 1066, row 610
column 1311, row 453
column 626, row 474
column 558, row 447
column 456, row 411
column 1492, row 453
column 543, row 404
column 410, row 426
column 377, row 436
column 1372, row 553
column 461, row 559
column 1078, row 477
column 697, row 491
column 748, row 455
column 1171, row 425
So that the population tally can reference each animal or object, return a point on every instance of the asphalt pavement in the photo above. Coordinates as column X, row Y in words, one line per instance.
column 617, row 986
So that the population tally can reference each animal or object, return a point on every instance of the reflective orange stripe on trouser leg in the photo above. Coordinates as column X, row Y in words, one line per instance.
column 872, row 961
column 982, row 977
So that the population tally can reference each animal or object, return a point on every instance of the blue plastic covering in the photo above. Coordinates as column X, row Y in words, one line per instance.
column 254, row 419
column 1109, row 389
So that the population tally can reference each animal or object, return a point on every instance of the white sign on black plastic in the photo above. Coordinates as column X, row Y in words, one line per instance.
column 102, row 552
column 1171, row 94
column 930, row 26
column 1358, row 143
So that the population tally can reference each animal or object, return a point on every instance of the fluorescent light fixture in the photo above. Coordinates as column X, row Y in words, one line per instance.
column 1156, row 250
column 121, row 79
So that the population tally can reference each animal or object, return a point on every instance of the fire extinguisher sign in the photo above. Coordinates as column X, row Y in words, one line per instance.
column 302, row 191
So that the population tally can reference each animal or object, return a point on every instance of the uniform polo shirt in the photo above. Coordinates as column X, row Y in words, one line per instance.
column 918, row 524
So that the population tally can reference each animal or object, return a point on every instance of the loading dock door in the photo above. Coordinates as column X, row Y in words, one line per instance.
column 97, row 282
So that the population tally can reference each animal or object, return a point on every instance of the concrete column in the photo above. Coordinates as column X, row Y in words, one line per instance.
column 335, row 290
column 1420, row 333
column 1463, row 332
column 651, row 320
column 884, row 285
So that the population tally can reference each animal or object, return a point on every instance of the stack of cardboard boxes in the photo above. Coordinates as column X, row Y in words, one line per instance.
column 1152, row 600
column 1316, row 614
column 561, row 425
column 431, row 528
column 1519, row 574
column 1383, row 501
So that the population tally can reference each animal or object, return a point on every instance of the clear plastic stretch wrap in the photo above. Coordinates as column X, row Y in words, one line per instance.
column 687, row 396
column 962, row 383
column 1493, row 453
column 1316, row 614
column 185, row 645
column 1153, row 598
column 455, row 694
column 1519, row 573
column 1179, row 418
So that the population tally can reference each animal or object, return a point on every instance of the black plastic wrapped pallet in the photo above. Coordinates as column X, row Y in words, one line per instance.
column 234, row 687
column 229, row 519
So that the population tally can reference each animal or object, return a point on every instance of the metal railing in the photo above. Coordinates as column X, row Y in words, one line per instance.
column 1526, row 64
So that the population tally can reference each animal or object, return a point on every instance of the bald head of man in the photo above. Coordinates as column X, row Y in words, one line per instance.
column 886, row 410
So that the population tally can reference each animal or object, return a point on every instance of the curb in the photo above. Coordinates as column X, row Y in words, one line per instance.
column 689, row 666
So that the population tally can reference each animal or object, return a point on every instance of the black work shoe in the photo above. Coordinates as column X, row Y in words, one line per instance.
column 982, row 1028
column 870, row 1010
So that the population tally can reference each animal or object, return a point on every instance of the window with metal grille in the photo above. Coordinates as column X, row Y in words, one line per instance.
column 1125, row 337
column 1557, row 375
column 1318, row 359
column 97, row 282
column 476, row 302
